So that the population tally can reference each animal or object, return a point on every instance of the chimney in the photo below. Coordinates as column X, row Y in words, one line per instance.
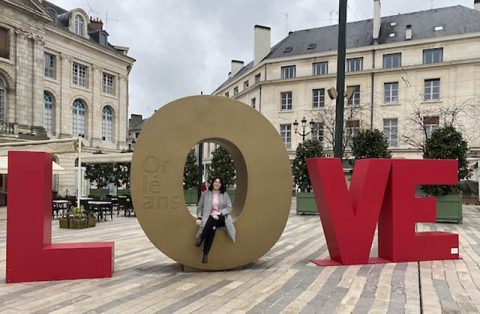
column 476, row 5
column 236, row 66
column 96, row 25
column 408, row 32
column 135, row 119
column 376, row 20
column 262, row 43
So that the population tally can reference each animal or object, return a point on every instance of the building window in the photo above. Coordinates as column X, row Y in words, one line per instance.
column 49, row 113
column 286, row 101
column 286, row 135
column 320, row 68
column 80, row 75
column 50, row 66
column 78, row 114
column 432, row 56
column 108, row 84
column 4, row 47
column 432, row 89
column 390, row 131
column 227, row 94
column 289, row 72
column 393, row 60
column 107, row 121
column 253, row 102
column 430, row 124
column 318, row 132
column 246, row 84
column 258, row 77
column 3, row 100
column 354, row 65
column 318, row 98
column 79, row 25
column 390, row 93
column 352, row 128
column 235, row 91
column 355, row 99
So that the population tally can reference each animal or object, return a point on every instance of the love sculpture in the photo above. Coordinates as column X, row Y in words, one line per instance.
column 381, row 191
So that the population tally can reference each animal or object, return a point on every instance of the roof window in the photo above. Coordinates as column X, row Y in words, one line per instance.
column 287, row 49
column 391, row 35
column 439, row 28
column 393, row 24
column 311, row 46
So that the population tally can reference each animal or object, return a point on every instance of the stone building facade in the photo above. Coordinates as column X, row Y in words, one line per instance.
column 408, row 74
column 61, row 78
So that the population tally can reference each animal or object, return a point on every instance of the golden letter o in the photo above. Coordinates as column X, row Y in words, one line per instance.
column 264, row 180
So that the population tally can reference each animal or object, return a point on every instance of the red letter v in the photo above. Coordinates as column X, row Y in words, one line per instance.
column 349, row 217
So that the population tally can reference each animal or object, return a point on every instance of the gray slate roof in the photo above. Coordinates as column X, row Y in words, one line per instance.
column 455, row 20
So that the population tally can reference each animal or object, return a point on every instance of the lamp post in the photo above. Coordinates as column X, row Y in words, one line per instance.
column 304, row 125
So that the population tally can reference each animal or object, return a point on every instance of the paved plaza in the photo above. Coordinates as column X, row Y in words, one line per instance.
column 284, row 280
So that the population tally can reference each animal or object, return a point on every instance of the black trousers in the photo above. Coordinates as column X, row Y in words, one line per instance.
column 208, row 233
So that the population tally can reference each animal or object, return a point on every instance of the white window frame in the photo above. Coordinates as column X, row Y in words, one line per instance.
column 390, row 92
column 79, row 25
column 108, row 85
column 390, row 131
column 286, row 135
column 431, row 56
column 318, row 132
column 79, row 112
column 431, row 89
column 80, row 74
column 351, row 131
column 392, row 60
column 50, row 65
column 107, row 124
column 320, row 68
column 3, row 99
column 318, row 98
column 431, row 127
column 49, row 113
column 355, row 64
column 289, row 72
column 286, row 103
column 355, row 99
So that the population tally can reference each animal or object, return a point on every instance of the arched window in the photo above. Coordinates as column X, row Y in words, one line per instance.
column 49, row 113
column 78, row 114
column 3, row 100
column 107, row 122
column 79, row 25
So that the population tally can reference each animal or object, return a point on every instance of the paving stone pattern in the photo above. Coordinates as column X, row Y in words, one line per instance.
column 283, row 281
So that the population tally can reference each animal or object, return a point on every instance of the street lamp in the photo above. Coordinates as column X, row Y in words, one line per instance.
column 304, row 125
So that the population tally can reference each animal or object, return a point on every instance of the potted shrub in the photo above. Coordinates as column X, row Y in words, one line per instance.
column 78, row 220
column 370, row 144
column 305, row 199
column 91, row 220
column 448, row 143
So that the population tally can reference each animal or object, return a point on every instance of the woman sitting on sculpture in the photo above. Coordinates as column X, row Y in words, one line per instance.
column 213, row 211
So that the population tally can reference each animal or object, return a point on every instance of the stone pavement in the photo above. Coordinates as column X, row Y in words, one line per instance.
column 284, row 280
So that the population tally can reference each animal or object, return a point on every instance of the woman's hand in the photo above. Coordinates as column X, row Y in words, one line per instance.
column 215, row 217
column 198, row 221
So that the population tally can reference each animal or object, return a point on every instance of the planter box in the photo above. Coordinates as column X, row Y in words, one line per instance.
column 64, row 223
column 78, row 223
column 306, row 203
column 449, row 208
column 91, row 222
column 190, row 196
column 470, row 199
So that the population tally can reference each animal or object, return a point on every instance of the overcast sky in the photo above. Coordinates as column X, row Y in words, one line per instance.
column 183, row 47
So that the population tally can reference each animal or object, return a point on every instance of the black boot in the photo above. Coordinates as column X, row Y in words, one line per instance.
column 205, row 259
column 198, row 241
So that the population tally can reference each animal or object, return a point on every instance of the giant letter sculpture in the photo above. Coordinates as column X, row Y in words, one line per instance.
column 30, row 254
column 349, row 218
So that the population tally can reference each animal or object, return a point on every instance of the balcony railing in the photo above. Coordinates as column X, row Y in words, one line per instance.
column 8, row 128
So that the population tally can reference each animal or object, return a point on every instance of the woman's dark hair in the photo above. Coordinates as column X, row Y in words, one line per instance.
column 222, row 187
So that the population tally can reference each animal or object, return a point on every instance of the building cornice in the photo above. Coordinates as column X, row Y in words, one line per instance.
column 86, row 42
column 359, row 50
column 39, row 13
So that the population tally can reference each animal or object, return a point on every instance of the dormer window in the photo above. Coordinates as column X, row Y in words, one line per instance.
column 79, row 25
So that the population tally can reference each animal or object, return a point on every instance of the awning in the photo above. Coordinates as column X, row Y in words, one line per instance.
column 56, row 168
column 107, row 158
column 60, row 146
